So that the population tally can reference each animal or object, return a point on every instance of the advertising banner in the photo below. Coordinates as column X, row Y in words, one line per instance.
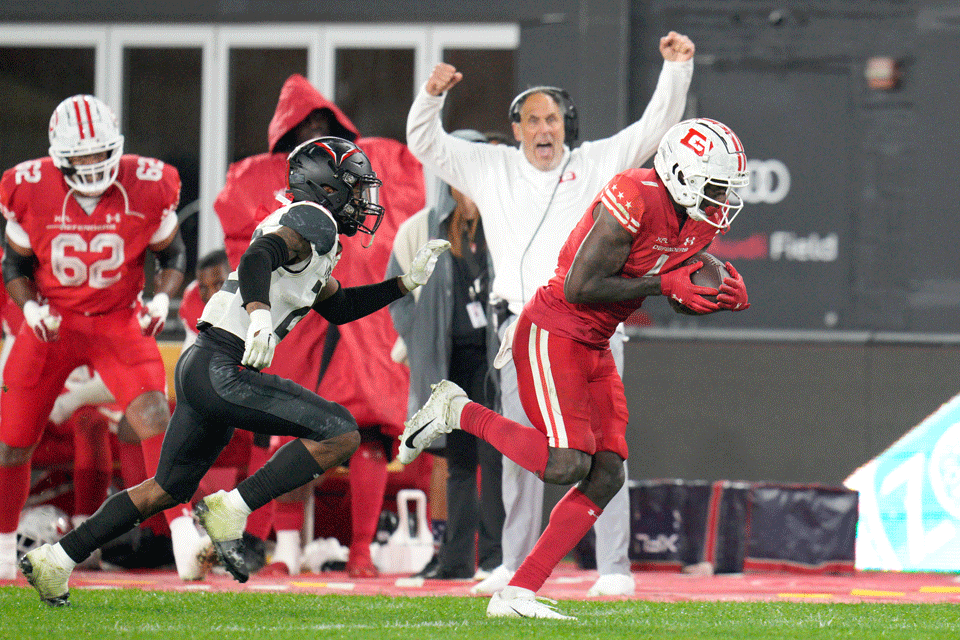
column 910, row 499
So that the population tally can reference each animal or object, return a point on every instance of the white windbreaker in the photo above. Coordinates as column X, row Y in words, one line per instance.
column 527, row 213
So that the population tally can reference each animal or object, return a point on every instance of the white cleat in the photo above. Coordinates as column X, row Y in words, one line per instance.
column 8, row 556
column 612, row 584
column 432, row 420
column 497, row 580
column 193, row 551
column 47, row 576
column 8, row 570
column 516, row 602
column 225, row 525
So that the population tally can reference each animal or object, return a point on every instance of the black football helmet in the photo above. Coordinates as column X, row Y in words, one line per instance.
column 337, row 174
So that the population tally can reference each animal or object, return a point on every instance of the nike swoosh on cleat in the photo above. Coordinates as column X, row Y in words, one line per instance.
column 413, row 435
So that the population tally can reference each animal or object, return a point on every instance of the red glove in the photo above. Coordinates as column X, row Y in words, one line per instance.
column 733, row 293
column 677, row 285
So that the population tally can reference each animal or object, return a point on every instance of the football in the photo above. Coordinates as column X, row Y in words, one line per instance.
column 711, row 274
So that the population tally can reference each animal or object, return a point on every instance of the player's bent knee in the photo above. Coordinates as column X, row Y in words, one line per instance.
column 148, row 414
column 14, row 456
column 605, row 479
column 567, row 466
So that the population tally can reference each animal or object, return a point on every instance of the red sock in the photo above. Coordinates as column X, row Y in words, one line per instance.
column 151, row 457
column 368, row 483
column 525, row 446
column 151, row 453
column 130, row 458
column 569, row 522
column 287, row 516
column 89, row 490
column 92, row 460
column 15, row 487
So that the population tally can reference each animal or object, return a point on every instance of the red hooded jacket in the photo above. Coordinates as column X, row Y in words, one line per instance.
column 360, row 375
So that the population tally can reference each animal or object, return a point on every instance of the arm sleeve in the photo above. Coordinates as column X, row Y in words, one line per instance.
column 266, row 253
column 353, row 303
column 174, row 255
column 454, row 160
column 15, row 265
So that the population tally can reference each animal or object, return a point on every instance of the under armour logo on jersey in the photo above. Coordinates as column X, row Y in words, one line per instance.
column 689, row 241
column 114, row 218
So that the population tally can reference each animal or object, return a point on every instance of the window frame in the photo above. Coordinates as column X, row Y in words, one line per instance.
column 321, row 40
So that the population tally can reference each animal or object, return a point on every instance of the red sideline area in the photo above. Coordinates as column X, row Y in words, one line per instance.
column 568, row 583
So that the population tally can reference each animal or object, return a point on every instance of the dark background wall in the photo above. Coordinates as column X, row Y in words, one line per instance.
column 778, row 410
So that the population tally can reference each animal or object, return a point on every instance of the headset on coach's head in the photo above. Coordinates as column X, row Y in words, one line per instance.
column 562, row 98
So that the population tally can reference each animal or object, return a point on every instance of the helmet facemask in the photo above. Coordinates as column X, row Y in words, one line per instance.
column 713, row 210
column 364, row 202
column 84, row 126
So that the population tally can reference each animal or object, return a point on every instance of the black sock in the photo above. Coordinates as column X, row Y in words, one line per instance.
column 116, row 515
column 290, row 467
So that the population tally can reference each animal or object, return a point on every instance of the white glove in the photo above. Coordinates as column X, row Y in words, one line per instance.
column 261, row 340
column 44, row 322
column 424, row 263
column 153, row 315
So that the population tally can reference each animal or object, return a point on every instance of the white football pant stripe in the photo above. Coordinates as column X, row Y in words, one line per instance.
column 546, row 390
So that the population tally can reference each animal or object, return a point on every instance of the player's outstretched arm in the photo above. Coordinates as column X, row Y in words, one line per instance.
column 340, row 305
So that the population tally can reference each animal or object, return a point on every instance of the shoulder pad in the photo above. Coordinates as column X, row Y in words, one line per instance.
column 314, row 223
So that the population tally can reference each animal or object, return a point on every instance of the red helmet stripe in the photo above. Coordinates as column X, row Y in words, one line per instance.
column 86, row 102
column 76, row 108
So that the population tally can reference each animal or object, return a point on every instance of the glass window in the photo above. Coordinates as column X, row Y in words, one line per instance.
column 33, row 81
column 256, row 76
column 482, row 98
column 375, row 88
column 161, row 119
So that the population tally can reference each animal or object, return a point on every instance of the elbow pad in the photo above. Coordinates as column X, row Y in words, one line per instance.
column 173, row 256
column 15, row 265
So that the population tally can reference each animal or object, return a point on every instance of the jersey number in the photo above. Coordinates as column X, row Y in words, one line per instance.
column 71, row 271
column 662, row 260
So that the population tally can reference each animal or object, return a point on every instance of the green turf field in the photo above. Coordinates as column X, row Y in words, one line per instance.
column 128, row 614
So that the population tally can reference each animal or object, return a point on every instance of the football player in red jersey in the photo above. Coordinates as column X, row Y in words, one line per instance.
column 79, row 224
column 629, row 244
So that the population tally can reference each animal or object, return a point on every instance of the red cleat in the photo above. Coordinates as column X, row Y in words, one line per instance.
column 362, row 568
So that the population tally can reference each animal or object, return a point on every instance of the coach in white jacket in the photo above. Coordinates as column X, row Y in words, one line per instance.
column 530, row 199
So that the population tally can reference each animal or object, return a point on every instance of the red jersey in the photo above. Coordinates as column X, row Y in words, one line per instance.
column 90, row 264
column 641, row 204
column 191, row 307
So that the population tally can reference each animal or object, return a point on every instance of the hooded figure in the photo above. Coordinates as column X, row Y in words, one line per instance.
column 329, row 359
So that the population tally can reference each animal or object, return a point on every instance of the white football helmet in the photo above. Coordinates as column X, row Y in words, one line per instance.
column 80, row 126
column 39, row 525
column 698, row 152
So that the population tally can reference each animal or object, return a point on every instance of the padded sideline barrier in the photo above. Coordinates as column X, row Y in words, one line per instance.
column 741, row 526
